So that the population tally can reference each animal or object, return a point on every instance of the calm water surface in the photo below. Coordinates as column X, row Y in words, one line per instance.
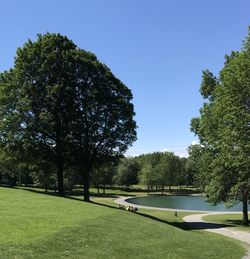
column 182, row 202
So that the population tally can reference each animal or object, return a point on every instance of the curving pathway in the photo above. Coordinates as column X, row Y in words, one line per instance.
column 196, row 221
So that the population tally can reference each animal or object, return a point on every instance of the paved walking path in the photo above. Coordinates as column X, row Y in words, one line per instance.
column 196, row 221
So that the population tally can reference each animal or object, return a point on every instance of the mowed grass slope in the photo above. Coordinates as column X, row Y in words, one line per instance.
column 232, row 220
column 43, row 226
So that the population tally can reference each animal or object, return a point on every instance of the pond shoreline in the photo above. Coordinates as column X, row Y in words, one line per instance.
column 124, row 201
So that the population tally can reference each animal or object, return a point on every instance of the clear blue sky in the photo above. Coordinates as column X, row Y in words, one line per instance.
column 158, row 48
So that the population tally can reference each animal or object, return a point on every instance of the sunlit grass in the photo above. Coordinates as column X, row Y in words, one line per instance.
column 36, row 225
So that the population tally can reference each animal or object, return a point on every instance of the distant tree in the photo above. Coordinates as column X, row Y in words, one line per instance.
column 152, row 158
column 147, row 176
column 179, row 176
column 103, row 174
column 167, row 169
column 197, row 165
column 148, row 163
column 224, row 132
column 183, row 177
column 161, row 169
column 9, row 173
column 127, row 172
column 44, row 175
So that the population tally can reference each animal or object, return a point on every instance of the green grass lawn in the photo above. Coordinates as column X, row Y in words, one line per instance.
column 159, row 215
column 36, row 225
column 233, row 220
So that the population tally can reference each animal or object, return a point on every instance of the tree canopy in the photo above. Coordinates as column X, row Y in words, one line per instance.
column 61, row 105
column 224, row 130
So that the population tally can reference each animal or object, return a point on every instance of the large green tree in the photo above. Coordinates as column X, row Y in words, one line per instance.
column 224, row 130
column 60, row 102
column 102, row 124
column 38, row 105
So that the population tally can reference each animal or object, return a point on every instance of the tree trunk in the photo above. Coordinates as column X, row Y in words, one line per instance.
column 46, row 187
column 86, row 183
column 19, row 178
column 162, row 189
column 60, row 177
column 104, row 187
column 245, row 208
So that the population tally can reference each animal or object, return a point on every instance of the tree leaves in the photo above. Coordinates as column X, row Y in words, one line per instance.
column 63, row 105
column 224, row 129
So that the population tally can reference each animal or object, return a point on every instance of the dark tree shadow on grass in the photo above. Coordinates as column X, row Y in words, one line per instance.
column 67, row 196
column 74, row 193
column 205, row 225
column 8, row 186
column 186, row 225
column 181, row 225
column 49, row 192
column 236, row 223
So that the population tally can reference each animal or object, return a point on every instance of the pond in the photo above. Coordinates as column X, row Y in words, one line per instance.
column 182, row 203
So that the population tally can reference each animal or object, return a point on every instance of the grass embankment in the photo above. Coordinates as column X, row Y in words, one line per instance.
column 230, row 220
column 35, row 225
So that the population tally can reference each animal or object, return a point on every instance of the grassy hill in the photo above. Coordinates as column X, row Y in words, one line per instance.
column 44, row 226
